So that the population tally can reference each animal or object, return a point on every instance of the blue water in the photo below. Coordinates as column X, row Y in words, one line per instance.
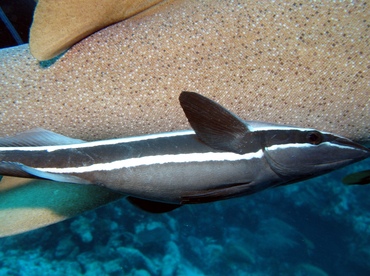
column 317, row 227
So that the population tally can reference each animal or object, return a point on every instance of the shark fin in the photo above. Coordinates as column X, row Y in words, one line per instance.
column 152, row 206
column 28, row 204
column 214, row 125
column 37, row 137
column 359, row 178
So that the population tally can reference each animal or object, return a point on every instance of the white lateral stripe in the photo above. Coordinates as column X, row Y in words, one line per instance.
column 254, row 128
column 158, row 159
column 102, row 142
column 291, row 145
column 306, row 145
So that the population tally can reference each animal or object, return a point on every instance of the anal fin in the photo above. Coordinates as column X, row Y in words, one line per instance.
column 152, row 206
column 14, row 169
column 54, row 176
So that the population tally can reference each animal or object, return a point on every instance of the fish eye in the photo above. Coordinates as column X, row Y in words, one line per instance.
column 314, row 137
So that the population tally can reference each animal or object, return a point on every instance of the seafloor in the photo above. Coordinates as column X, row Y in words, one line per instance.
column 317, row 227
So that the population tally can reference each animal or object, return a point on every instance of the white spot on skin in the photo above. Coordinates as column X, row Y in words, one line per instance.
column 149, row 47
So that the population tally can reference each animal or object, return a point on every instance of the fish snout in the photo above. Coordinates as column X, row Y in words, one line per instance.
column 351, row 150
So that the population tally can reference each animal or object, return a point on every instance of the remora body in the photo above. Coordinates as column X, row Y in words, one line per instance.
column 223, row 157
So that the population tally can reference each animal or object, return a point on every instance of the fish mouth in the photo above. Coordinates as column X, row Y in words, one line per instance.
column 349, row 143
column 338, row 164
column 361, row 151
column 347, row 152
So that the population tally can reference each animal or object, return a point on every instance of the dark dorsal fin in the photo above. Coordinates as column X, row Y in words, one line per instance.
column 152, row 206
column 37, row 137
column 214, row 125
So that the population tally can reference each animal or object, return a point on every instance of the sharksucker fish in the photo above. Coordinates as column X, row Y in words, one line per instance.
column 222, row 157
column 299, row 68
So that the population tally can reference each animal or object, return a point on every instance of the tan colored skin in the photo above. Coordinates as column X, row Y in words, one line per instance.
column 30, row 204
column 304, row 64
column 57, row 25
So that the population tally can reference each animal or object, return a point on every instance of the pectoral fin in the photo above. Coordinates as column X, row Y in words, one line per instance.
column 220, row 193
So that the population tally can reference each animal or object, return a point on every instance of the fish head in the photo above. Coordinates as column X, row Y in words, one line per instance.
column 295, row 153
